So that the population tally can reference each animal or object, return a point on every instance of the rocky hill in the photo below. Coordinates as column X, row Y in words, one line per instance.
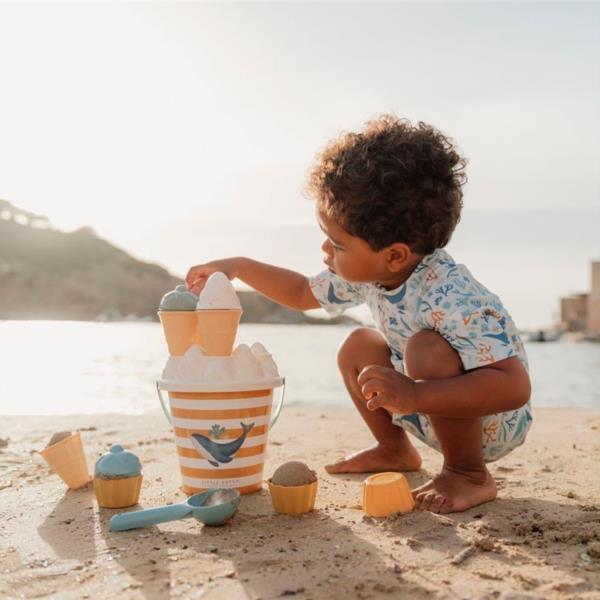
column 50, row 274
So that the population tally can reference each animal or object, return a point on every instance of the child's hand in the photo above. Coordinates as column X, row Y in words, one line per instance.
column 383, row 387
column 197, row 276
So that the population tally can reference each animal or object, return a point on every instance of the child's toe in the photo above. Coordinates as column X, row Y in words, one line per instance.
column 426, row 499
column 419, row 500
column 437, row 503
column 337, row 467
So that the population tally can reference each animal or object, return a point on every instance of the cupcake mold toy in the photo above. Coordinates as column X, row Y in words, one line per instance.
column 118, row 478
column 293, row 488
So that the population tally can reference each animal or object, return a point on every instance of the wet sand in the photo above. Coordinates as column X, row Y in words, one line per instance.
column 539, row 539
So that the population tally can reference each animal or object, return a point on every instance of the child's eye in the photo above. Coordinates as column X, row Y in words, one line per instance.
column 337, row 248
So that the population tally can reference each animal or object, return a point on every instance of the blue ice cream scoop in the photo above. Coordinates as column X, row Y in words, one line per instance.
column 117, row 463
column 179, row 299
column 212, row 507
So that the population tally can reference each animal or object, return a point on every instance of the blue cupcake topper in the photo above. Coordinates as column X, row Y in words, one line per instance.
column 118, row 463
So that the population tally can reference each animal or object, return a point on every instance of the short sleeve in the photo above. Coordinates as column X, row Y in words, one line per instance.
column 335, row 294
column 477, row 327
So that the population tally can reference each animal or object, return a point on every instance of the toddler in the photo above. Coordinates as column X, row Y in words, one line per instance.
column 445, row 362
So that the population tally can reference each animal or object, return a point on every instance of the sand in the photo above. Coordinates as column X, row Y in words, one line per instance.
column 539, row 539
column 293, row 473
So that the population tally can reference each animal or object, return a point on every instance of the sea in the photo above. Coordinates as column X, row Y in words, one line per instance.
column 70, row 367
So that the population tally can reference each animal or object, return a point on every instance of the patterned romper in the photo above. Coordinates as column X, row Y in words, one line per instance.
column 444, row 297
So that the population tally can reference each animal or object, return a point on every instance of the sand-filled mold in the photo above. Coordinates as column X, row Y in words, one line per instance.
column 293, row 473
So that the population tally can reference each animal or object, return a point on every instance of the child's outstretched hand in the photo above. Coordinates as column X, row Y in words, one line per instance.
column 383, row 387
column 197, row 276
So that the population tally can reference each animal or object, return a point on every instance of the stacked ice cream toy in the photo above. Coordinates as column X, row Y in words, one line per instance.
column 210, row 321
column 220, row 398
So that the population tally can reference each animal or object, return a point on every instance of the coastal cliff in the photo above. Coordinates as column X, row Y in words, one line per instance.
column 50, row 274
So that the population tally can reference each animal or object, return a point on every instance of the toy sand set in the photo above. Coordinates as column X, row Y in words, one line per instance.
column 220, row 402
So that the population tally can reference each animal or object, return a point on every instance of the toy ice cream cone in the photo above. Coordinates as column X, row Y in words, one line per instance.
column 176, row 313
column 218, row 316
column 179, row 327
column 386, row 493
column 67, row 459
column 216, row 330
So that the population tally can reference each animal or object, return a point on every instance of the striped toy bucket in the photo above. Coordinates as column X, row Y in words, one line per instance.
column 221, row 431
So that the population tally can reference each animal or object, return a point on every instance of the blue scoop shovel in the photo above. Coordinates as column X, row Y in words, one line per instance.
column 213, row 507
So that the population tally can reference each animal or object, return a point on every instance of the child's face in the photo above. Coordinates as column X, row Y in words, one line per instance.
column 353, row 259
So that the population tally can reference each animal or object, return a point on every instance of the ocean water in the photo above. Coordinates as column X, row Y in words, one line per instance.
column 65, row 367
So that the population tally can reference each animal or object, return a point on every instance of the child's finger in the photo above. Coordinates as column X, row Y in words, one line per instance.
column 190, row 277
column 377, row 402
column 197, row 286
column 369, row 389
column 373, row 387
column 195, row 273
column 369, row 372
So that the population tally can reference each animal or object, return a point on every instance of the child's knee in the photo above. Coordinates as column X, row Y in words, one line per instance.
column 429, row 356
column 362, row 345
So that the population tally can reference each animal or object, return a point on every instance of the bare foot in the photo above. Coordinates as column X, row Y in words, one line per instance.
column 455, row 491
column 378, row 459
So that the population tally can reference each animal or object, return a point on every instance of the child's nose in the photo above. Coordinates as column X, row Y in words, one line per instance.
column 326, row 247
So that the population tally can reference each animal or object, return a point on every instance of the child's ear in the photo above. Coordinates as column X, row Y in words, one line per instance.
column 397, row 255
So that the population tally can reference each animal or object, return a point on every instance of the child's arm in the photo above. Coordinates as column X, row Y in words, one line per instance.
column 285, row 287
column 495, row 388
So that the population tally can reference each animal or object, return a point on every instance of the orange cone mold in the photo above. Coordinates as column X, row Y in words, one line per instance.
column 67, row 459
column 216, row 330
column 386, row 493
column 179, row 327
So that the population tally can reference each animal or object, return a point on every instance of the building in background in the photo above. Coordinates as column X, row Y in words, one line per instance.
column 573, row 312
column 593, row 304
column 581, row 312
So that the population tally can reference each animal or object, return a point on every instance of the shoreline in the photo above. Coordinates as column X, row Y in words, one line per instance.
column 540, row 538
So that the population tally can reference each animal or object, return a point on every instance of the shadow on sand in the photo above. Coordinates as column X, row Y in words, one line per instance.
column 259, row 553
column 69, row 528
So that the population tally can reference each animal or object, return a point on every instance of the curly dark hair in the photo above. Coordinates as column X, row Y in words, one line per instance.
column 392, row 182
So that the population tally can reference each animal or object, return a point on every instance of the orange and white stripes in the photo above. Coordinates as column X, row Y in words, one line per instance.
column 198, row 412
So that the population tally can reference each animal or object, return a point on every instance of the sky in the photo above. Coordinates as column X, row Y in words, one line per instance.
column 184, row 132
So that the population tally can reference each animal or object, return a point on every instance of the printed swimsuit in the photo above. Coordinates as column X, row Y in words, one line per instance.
column 442, row 296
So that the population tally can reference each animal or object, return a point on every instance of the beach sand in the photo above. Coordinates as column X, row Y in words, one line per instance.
column 539, row 539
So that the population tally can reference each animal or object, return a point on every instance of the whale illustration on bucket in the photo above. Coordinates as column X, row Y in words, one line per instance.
column 221, row 431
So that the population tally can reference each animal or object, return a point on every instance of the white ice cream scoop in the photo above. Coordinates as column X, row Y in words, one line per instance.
column 171, row 368
column 268, row 365
column 218, row 293
column 245, row 365
column 217, row 369
column 191, row 365
column 258, row 349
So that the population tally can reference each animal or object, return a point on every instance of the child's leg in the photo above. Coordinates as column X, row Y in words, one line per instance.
column 464, row 480
column 393, row 451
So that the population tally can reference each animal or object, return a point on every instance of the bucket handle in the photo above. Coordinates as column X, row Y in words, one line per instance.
column 274, row 417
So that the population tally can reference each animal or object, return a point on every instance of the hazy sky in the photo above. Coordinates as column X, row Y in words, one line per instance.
column 184, row 132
